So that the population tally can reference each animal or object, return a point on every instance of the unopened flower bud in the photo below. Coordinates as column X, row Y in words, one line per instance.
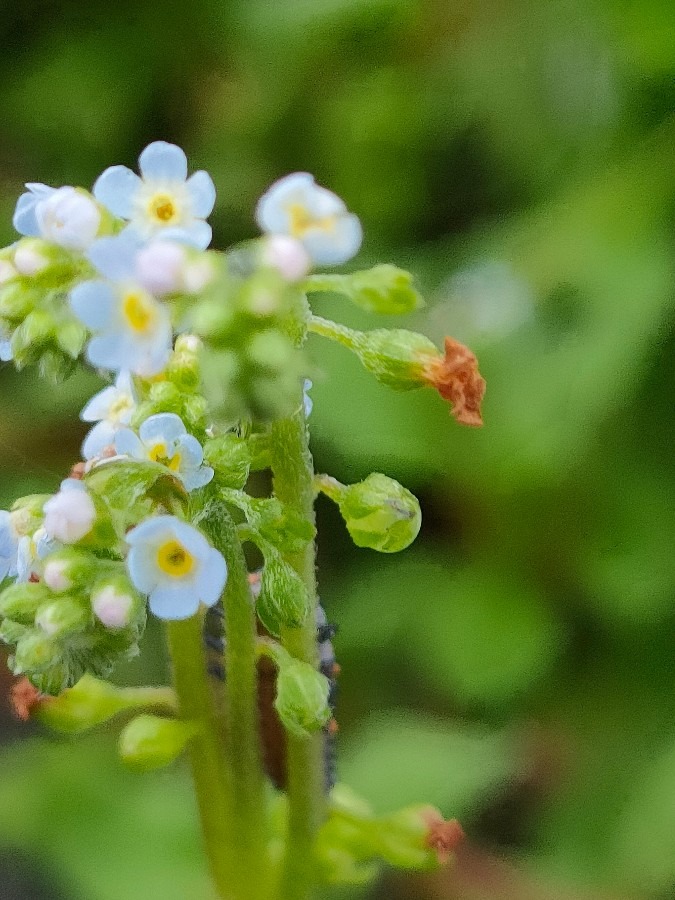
column 70, row 514
column 29, row 259
column 198, row 274
column 56, row 575
column 283, row 598
column 21, row 601
column 159, row 267
column 151, row 742
column 379, row 512
column 302, row 698
column 112, row 605
column 61, row 617
column 287, row 255
column 35, row 652
column 68, row 217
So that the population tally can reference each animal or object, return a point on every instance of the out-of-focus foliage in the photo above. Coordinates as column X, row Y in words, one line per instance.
column 515, row 666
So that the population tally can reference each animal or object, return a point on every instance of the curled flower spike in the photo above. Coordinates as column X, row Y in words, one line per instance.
column 456, row 378
column 63, row 216
column 70, row 514
column 164, row 439
column 296, row 206
column 132, row 329
column 111, row 408
column 175, row 566
column 164, row 200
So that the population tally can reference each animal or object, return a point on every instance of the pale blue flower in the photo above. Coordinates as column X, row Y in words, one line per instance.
column 112, row 408
column 9, row 546
column 307, row 401
column 164, row 200
column 175, row 566
column 163, row 438
column 132, row 330
column 63, row 216
column 32, row 550
column 298, row 207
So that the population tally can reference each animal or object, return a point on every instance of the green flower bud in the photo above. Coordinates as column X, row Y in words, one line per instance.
column 379, row 512
column 302, row 698
column 35, row 652
column 71, row 337
column 62, row 616
column 151, row 742
column 11, row 632
column 230, row 458
column 17, row 300
column 68, row 568
column 283, row 596
column 396, row 357
column 383, row 289
column 93, row 701
column 183, row 369
column 21, row 601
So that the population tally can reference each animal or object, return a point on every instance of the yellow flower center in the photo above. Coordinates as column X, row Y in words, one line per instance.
column 139, row 311
column 301, row 220
column 160, row 454
column 162, row 208
column 174, row 559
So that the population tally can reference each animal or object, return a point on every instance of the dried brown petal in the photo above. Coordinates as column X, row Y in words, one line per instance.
column 457, row 379
column 24, row 696
column 443, row 836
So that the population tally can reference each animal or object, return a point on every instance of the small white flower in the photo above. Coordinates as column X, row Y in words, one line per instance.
column 296, row 206
column 132, row 330
column 63, row 216
column 164, row 439
column 175, row 566
column 112, row 408
column 112, row 607
column 160, row 267
column 70, row 514
column 9, row 546
column 287, row 255
column 164, row 200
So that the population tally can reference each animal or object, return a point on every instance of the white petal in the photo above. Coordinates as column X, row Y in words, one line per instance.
column 190, row 450
column 94, row 303
column 271, row 214
column 116, row 189
column 154, row 530
column 115, row 257
column 165, row 427
column 163, row 161
column 108, row 351
column 127, row 443
column 337, row 245
column 195, row 234
column 142, row 568
column 192, row 539
column 173, row 602
column 24, row 219
column 212, row 578
column 99, row 406
column 193, row 479
column 102, row 435
column 202, row 192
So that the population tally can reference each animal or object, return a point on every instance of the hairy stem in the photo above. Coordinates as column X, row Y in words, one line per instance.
column 293, row 472
column 212, row 784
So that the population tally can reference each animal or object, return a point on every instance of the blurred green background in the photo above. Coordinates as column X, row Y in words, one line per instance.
column 515, row 667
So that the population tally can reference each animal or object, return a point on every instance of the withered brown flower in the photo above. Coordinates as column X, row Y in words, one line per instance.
column 456, row 378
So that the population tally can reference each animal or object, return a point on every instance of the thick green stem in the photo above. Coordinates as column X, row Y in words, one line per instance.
column 294, row 485
column 242, row 737
column 212, row 784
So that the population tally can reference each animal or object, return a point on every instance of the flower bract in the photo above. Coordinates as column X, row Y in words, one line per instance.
column 175, row 565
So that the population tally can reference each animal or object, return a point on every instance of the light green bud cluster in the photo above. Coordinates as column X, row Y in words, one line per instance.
column 36, row 279
column 252, row 325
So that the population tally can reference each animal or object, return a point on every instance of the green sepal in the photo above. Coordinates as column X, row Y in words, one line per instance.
column 384, row 289
column 283, row 599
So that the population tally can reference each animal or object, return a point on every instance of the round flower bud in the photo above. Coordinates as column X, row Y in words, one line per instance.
column 28, row 259
column 283, row 596
column 159, row 267
column 287, row 255
column 112, row 606
column 70, row 514
column 151, row 742
column 21, row 601
column 35, row 652
column 380, row 513
column 302, row 698
column 69, row 218
column 55, row 575
column 62, row 617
